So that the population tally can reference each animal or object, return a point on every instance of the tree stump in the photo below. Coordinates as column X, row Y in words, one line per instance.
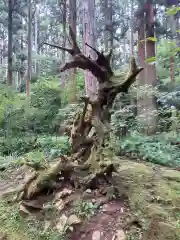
column 90, row 129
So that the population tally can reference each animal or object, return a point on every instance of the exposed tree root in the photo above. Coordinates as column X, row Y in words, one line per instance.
column 90, row 129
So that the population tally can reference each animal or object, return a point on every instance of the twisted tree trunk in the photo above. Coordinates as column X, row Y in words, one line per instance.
column 90, row 130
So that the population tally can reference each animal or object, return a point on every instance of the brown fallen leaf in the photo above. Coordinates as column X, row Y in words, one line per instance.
column 73, row 220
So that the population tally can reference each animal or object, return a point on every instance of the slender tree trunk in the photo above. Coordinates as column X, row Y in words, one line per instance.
column 10, row 11
column 21, row 75
column 108, row 15
column 64, row 41
column 36, row 68
column 106, row 33
column 172, row 25
column 29, row 71
column 131, row 26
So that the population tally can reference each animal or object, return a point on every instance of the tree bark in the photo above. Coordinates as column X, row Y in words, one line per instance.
column 72, row 97
column 146, row 104
column 151, row 115
column 89, row 32
column 29, row 71
column 10, row 35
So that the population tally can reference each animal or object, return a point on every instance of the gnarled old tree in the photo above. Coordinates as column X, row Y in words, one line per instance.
column 86, row 165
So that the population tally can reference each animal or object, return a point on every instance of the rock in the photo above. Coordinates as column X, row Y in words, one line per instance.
column 96, row 235
column 120, row 235
column 61, row 223
column 88, row 191
column 73, row 220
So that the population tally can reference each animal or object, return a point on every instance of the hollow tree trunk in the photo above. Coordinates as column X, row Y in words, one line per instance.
column 86, row 164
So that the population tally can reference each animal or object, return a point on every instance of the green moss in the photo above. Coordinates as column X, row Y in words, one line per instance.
column 152, row 194
column 15, row 227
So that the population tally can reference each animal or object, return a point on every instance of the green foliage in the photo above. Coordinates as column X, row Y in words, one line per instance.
column 17, row 146
column 85, row 209
column 162, row 149
column 14, row 226
column 53, row 146
column 165, row 50
column 50, row 146
column 47, row 97
column 17, row 116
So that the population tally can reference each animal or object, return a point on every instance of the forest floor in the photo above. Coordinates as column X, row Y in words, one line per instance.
column 147, row 208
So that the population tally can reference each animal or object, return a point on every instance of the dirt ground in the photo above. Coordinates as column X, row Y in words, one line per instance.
column 147, row 207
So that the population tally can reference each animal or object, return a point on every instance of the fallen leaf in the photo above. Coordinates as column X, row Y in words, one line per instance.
column 73, row 220
column 61, row 223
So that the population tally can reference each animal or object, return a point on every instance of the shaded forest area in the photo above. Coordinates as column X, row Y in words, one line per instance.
column 89, row 119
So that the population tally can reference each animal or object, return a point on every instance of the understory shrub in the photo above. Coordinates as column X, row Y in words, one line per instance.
column 51, row 146
column 162, row 148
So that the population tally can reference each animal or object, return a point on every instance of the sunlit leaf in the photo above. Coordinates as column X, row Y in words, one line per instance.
column 173, row 11
column 175, row 50
column 153, row 39
column 151, row 60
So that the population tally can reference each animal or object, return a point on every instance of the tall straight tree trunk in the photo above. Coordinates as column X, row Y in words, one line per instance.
column 72, row 22
column 150, row 69
column 29, row 71
column 108, row 15
column 141, row 77
column 89, row 37
column 10, row 12
column 106, row 33
column 36, row 29
column 131, row 26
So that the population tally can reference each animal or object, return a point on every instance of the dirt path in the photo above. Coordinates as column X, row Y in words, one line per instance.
column 106, row 225
column 148, row 207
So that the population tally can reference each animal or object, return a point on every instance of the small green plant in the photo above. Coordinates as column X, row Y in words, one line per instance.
column 85, row 209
